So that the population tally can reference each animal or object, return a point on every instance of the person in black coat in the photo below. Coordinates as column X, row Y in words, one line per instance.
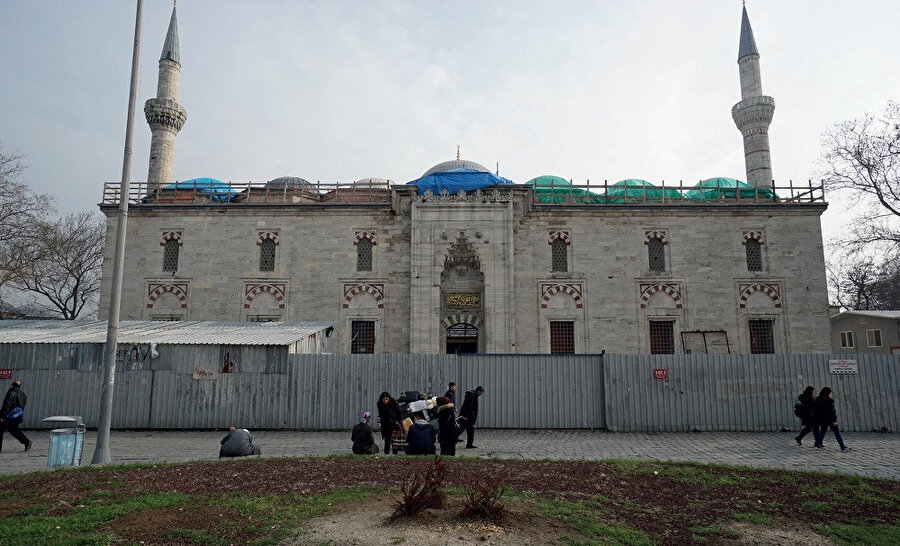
column 469, row 414
column 447, row 429
column 451, row 392
column 826, row 417
column 15, row 398
column 389, row 416
column 807, row 411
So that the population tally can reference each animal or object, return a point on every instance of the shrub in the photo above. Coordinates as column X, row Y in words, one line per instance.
column 421, row 490
column 483, row 500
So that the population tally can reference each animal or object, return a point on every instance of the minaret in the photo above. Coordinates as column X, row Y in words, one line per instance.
column 754, row 113
column 164, row 115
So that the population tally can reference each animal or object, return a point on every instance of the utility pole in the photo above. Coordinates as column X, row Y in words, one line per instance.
column 101, row 453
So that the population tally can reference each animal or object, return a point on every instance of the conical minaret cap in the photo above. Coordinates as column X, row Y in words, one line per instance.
column 170, row 48
column 747, row 45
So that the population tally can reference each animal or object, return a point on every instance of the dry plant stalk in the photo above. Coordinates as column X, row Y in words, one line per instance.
column 420, row 491
column 483, row 500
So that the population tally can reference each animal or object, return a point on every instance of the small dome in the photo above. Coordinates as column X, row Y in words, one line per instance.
column 289, row 182
column 374, row 182
column 456, row 164
column 548, row 181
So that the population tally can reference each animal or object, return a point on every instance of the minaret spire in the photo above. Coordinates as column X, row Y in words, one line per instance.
column 164, row 115
column 754, row 112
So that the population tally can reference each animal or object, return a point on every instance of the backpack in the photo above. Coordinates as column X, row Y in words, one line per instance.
column 798, row 409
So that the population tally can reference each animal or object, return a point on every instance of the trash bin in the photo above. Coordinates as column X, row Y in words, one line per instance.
column 66, row 444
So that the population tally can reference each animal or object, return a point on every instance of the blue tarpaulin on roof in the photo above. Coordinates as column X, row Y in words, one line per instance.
column 457, row 179
column 217, row 190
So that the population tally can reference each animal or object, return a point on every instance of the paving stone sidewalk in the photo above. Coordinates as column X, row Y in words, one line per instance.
column 872, row 454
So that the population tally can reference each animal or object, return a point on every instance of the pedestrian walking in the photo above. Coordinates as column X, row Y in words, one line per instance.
column 451, row 392
column 469, row 414
column 448, row 431
column 11, row 415
column 826, row 417
column 805, row 409
column 363, row 437
column 389, row 416
column 238, row 443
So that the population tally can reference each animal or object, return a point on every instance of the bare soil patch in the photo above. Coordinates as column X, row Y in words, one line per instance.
column 168, row 525
column 365, row 524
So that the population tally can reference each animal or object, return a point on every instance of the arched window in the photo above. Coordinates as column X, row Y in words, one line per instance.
column 754, row 255
column 364, row 255
column 656, row 255
column 267, row 255
column 170, row 255
column 559, row 256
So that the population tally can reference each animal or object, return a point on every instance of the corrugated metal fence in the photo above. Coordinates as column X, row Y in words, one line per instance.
column 618, row 392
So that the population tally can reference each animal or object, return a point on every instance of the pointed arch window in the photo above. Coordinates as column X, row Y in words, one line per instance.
column 656, row 254
column 267, row 255
column 559, row 253
column 754, row 255
column 364, row 254
column 170, row 255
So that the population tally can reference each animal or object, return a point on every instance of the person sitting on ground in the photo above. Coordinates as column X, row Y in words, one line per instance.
column 363, row 437
column 421, row 436
column 238, row 443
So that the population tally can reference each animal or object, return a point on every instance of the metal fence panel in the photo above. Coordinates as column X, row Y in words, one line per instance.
column 745, row 392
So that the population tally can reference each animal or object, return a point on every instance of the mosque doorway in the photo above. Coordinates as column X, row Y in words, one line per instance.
column 462, row 338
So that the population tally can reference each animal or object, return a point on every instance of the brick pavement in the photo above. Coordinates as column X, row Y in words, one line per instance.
column 872, row 455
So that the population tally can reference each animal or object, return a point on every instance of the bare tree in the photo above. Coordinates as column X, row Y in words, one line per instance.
column 68, row 264
column 862, row 158
column 20, row 210
column 862, row 284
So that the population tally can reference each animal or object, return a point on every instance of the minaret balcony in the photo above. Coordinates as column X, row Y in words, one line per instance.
column 165, row 114
column 753, row 111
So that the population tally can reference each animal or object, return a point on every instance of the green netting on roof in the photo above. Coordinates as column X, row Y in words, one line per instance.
column 555, row 189
column 714, row 188
column 635, row 190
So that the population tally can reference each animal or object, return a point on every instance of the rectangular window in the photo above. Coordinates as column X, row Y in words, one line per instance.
column 364, row 255
column 562, row 337
column 362, row 340
column 656, row 254
column 847, row 340
column 762, row 336
column 873, row 338
column 263, row 318
column 662, row 337
column 559, row 256
column 267, row 255
column 165, row 317
column 170, row 255
column 754, row 255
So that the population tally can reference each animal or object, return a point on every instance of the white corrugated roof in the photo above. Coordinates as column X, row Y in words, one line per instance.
column 163, row 332
column 877, row 314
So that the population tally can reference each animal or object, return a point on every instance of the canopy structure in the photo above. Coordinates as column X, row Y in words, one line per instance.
column 721, row 187
column 636, row 190
column 555, row 189
column 457, row 179
column 216, row 189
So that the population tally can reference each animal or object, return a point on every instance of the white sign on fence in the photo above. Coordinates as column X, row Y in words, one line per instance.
column 843, row 367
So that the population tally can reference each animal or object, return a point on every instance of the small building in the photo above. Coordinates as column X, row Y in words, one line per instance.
column 876, row 332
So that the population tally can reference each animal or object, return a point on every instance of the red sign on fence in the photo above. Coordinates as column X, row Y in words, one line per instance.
column 5, row 373
column 660, row 373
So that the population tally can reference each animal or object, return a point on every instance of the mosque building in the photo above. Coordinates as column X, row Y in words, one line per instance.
column 462, row 260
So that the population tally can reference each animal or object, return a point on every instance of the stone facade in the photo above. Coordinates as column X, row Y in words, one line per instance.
column 502, row 243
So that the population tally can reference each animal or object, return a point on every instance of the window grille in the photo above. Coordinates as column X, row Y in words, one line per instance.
column 754, row 255
column 263, row 318
column 662, row 337
column 267, row 255
column 462, row 330
column 656, row 252
column 165, row 317
column 847, row 341
column 873, row 338
column 562, row 337
column 762, row 337
column 364, row 255
column 559, row 255
column 170, row 255
column 362, row 337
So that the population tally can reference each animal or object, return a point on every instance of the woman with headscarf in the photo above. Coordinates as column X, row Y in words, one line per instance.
column 363, row 437
column 826, row 417
column 447, row 429
column 389, row 416
column 805, row 409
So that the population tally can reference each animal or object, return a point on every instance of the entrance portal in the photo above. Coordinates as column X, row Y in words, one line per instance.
column 462, row 338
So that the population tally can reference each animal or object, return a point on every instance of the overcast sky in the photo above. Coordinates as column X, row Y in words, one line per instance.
column 341, row 90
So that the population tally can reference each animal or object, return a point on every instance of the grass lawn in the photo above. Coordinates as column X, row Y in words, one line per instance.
column 266, row 501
